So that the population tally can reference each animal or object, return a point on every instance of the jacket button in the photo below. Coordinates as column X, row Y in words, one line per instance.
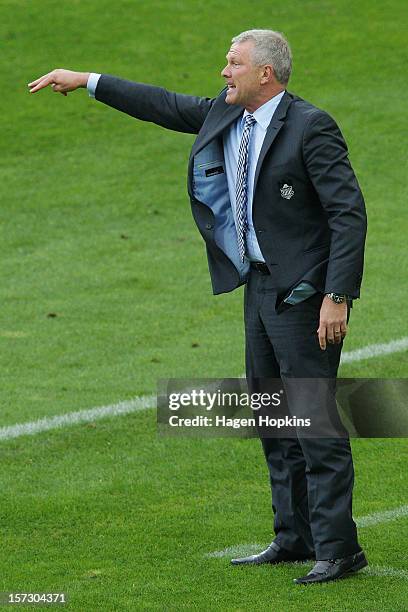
column 209, row 226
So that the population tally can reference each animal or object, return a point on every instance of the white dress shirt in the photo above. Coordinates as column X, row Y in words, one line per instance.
column 232, row 139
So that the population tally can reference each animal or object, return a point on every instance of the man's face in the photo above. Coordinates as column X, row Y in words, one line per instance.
column 242, row 77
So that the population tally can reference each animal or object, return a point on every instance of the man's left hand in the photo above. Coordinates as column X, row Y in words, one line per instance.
column 333, row 322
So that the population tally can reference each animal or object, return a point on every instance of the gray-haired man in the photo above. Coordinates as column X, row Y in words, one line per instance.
column 278, row 205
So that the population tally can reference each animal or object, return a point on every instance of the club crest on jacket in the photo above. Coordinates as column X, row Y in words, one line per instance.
column 287, row 191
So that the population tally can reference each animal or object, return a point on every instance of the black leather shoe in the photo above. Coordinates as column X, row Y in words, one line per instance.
column 324, row 571
column 273, row 554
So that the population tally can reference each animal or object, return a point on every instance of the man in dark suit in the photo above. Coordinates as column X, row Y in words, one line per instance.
column 278, row 205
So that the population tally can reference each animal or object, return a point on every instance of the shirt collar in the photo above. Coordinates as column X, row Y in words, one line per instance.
column 263, row 115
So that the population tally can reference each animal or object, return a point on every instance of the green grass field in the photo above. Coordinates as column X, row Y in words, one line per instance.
column 96, row 229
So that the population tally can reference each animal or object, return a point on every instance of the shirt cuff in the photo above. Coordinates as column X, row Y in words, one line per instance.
column 92, row 83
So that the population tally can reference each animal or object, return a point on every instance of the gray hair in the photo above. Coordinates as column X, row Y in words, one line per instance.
column 270, row 48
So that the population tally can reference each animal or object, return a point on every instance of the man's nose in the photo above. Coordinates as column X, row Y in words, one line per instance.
column 225, row 72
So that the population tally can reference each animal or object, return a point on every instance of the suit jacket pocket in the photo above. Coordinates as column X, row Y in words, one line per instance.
column 319, row 247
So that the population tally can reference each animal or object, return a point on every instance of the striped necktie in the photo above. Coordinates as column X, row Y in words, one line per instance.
column 241, row 197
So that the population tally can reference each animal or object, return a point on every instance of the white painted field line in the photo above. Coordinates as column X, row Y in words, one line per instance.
column 382, row 517
column 149, row 401
column 81, row 416
column 376, row 350
column 389, row 572
column 242, row 550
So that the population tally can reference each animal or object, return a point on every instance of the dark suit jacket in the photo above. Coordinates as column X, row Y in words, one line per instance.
column 316, row 236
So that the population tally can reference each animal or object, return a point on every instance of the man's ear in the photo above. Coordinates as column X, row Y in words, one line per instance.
column 267, row 75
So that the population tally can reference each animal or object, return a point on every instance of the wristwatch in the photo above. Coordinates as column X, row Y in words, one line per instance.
column 337, row 298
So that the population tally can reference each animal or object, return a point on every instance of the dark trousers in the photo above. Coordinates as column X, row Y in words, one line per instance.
column 311, row 478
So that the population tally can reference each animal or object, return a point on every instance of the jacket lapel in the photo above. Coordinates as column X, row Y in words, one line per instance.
column 217, row 122
column 229, row 113
column 273, row 130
